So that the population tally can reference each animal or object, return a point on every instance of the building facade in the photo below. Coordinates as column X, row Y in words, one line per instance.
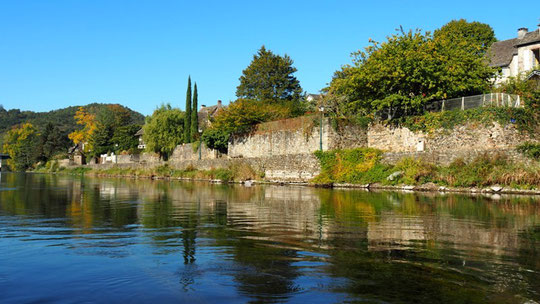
column 518, row 55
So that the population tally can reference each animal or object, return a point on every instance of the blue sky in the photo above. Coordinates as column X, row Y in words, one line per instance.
column 55, row 54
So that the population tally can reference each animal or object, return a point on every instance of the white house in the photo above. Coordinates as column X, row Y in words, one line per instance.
column 517, row 55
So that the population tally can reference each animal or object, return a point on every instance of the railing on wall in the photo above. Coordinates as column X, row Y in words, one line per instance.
column 476, row 101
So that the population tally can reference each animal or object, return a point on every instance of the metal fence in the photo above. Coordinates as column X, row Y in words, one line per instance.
column 476, row 101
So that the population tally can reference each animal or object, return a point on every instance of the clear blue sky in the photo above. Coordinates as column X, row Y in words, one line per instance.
column 139, row 53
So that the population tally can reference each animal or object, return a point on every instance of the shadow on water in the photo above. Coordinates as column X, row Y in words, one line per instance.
column 145, row 240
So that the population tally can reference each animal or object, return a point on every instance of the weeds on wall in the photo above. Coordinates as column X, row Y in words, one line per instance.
column 363, row 166
column 529, row 149
column 431, row 121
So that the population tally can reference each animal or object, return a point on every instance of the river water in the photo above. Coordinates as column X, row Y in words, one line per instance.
column 66, row 239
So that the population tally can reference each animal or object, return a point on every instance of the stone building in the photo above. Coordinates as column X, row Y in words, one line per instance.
column 517, row 55
column 76, row 154
column 205, row 114
column 140, row 134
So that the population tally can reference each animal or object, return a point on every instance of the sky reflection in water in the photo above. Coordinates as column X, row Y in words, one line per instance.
column 74, row 239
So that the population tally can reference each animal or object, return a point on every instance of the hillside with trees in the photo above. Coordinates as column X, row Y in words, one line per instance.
column 40, row 136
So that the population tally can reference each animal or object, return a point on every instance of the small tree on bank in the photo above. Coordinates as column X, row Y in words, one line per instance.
column 164, row 130
column 21, row 143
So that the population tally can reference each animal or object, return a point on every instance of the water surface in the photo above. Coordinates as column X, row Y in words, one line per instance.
column 71, row 239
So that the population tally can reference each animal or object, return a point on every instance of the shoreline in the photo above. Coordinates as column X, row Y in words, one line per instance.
column 432, row 188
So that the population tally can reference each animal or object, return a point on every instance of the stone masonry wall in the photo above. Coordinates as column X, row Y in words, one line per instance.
column 187, row 152
column 283, row 150
column 296, row 136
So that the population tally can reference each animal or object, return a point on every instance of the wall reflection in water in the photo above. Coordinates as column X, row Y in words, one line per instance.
column 277, row 243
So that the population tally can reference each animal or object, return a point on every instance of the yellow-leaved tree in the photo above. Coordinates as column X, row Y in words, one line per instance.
column 89, row 123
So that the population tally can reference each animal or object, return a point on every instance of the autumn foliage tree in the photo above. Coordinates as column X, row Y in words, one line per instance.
column 21, row 143
column 89, row 126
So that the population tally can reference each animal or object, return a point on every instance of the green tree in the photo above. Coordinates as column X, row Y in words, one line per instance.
column 124, row 138
column 269, row 77
column 101, row 138
column 240, row 116
column 164, row 130
column 52, row 142
column 187, row 119
column 21, row 143
column 398, row 77
column 194, row 116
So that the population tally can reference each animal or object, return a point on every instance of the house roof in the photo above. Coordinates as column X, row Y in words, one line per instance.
column 501, row 52
column 140, row 132
column 205, row 113
column 530, row 37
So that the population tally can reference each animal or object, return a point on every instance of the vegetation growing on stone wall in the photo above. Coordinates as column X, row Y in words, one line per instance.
column 530, row 149
column 357, row 166
column 363, row 166
column 235, row 172
column 430, row 122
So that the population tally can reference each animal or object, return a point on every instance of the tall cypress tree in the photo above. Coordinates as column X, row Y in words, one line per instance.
column 194, row 117
column 187, row 120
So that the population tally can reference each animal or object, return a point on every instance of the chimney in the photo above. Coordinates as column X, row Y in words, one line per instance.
column 522, row 31
column 219, row 103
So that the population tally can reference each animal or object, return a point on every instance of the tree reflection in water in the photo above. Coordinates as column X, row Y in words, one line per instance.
column 274, row 244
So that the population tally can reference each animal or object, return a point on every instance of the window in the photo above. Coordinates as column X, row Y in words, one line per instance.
column 536, row 57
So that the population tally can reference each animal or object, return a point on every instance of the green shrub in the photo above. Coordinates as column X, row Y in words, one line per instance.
column 358, row 166
column 529, row 149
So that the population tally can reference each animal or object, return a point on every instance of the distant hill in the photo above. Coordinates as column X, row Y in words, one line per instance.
column 63, row 118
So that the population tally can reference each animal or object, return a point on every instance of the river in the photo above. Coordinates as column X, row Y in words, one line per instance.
column 74, row 239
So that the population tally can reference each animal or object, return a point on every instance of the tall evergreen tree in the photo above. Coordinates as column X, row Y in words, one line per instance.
column 194, row 117
column 269, row 77
column 187, row 120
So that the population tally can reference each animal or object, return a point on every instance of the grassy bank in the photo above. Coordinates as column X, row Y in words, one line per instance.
column 235, row 172
column 364, row 166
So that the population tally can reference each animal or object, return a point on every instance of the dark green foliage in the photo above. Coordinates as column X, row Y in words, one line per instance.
column 53, row 141
column 269, row 77
column 217, row 139
column 529, row 149
column 124, row 138
column 101, row 139
column 187, row 119
column 194, row 117
column 62, row 118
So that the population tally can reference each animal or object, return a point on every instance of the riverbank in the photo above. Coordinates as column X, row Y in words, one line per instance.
column 228, row 176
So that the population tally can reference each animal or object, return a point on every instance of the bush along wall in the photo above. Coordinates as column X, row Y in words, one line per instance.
column 363, row 166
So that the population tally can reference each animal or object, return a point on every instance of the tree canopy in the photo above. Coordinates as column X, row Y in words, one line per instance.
column 269, row 77
column 240, row 116
column 164, row 130
column 399, row 76
column 21, row 143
